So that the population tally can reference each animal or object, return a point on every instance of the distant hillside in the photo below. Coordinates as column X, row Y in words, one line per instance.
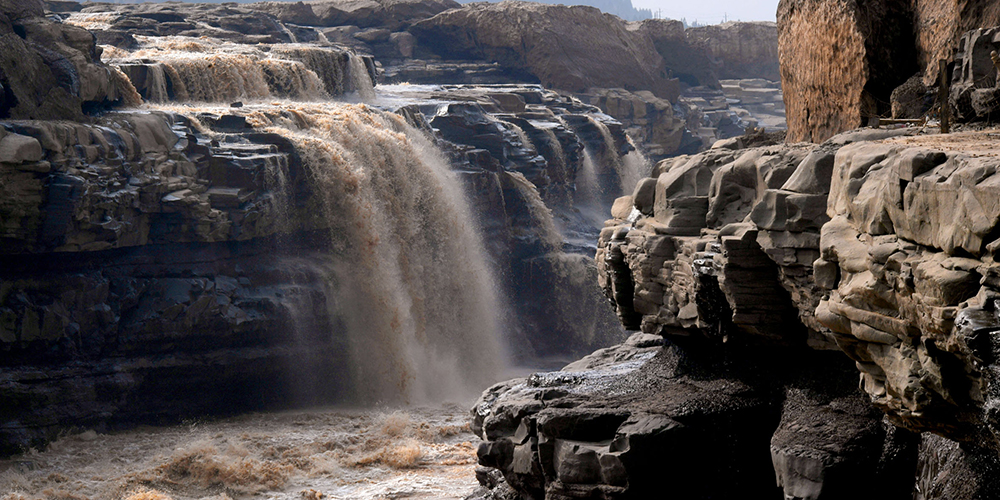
column 620, row 8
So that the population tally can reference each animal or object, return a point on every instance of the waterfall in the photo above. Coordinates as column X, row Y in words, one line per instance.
column 542, row 220
column 411, row 281
column 589, row 197
column 627, row 170
column 205, row 70
column 330, row 65
column 635, row 167
column 361, row 81
column 285, row 30
column 157, row 84
column 226, row 77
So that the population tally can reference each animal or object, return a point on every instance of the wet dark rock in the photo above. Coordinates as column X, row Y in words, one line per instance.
column 625, row 418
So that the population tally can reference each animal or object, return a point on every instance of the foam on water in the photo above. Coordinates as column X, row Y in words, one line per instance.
column 329, row 454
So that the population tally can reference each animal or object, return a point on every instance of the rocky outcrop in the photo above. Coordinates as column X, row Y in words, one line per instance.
column 393, row 15
column 568, row 48
column 649, row 120
column 619, row 423
column 878, row 244
column 974, row 86
column 49, row 70
column 876, row 47
column 738, row 50
column 701, row 56
column 940, row 25
column 872, row 46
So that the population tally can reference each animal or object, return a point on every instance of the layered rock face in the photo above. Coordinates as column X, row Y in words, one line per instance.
column 877, row 245
column 877, row 267
column 739, row 50
column 704, row 55
column 870, row 44
column 548, row 42
column 50, row 70
column 875, row 46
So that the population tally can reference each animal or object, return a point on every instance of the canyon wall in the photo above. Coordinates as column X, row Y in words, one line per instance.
column 842, row 60
column 774, row 277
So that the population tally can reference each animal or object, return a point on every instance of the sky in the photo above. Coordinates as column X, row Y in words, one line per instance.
column 711, row 11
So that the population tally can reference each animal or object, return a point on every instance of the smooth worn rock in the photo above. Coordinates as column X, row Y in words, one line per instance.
column 16, row 148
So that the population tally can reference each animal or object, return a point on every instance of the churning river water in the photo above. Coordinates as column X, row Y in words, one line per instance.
column 320, row 454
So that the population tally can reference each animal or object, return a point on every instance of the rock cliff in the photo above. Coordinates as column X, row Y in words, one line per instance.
column 870, row 255
column 49, row 70
column 569, row 48
column 875, row 46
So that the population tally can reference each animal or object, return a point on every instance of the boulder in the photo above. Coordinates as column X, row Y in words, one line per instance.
column 16, row 148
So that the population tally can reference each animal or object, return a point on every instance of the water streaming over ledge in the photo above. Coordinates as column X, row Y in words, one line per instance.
column 412, row 282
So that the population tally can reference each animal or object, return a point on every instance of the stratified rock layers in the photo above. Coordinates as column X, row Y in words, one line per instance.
column 841, row 59
column 879, row 244
column 568, row 48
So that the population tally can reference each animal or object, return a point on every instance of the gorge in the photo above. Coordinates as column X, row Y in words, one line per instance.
column 214, row 213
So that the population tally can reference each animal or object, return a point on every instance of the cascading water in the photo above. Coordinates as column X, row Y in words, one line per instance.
column 627, row 167
column 185, row 69
column 588, row 197
column 542, row 220
column 361, row 82
column 411, row 281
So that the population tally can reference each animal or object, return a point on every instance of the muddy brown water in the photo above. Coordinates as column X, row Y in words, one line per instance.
column 420, row 453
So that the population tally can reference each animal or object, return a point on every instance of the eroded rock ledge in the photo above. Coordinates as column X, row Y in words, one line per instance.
column 877, row 244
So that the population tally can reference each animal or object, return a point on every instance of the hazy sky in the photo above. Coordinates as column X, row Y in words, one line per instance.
column 711, row 11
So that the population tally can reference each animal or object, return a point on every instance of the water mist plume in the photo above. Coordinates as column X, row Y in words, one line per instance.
column 412, row 281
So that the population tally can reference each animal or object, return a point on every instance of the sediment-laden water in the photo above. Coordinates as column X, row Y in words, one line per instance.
column 318, row 454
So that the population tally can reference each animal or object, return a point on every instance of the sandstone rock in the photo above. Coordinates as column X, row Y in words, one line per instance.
column 289, row 12
column 644, row 195
column 393, row 15
column 821, row 448
column 622, row 208
column 871, row 57
column 813, row 175
column 739, row 50
column 16, row 148
column 950, row 470
column 650, row 120
column 685, row 60
column 582, row 452
column 523, row 35
column 52, row 70
column 912, row 99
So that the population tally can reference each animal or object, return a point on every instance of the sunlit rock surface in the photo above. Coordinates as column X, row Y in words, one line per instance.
column 842, row 60
column 877, row 243
column 568, row 48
